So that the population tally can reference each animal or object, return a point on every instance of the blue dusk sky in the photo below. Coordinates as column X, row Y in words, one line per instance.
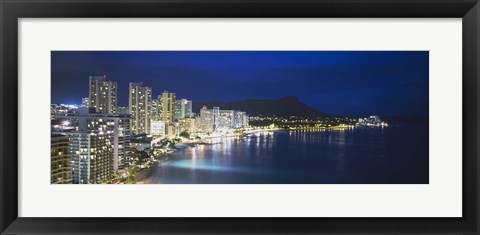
column 387, row 83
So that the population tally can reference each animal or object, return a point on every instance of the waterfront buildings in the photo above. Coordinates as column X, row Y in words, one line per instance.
column 99, row 143
column 222, row 120
column 232, row 119
column 102, row 94
column 241, row 119
column 141, row 144
column 140, row 98
column 60, row 169
column 209, row 119
column 187, row 125
column 159, row 128
column 166, row 102
column 92, row 141
column 183, row 109
column 375, row 118
column 226, row 120
column 198, row 124
column 372, row 120
column 92, row 160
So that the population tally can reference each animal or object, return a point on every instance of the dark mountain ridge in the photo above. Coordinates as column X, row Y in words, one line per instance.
column 283, row 107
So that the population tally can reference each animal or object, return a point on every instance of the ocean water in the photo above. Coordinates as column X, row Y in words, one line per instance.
column 393, row 155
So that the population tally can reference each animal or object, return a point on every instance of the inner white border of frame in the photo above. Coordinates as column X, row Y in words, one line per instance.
column 441, row 198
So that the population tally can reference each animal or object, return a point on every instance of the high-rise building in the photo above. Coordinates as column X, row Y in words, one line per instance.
column 232, row 119
column 216, row 119
column 140, row 100
column 241, row 119
column 60, row 159
column 102, row 94
column 226, row 119
column 209, row 119
column 116, row 125
column 187, row 125
column 92, row 162
column 245, row 120
column 99, row 144
column 166, row 102
column 155, row 111
column 183, row 109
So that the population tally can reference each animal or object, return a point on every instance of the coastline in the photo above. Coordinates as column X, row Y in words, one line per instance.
column 144, row 173
column 253, row 165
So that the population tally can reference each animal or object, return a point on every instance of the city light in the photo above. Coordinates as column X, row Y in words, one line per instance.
column 125, row 141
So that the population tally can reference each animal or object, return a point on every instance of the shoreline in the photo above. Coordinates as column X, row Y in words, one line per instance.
column 279, row 129
column 146, row 172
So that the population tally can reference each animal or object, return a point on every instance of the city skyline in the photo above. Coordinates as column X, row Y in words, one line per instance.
column 170, row 133
column 385, row 83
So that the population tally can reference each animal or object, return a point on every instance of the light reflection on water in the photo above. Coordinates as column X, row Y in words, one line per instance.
column 348, row 156
column 209, row 165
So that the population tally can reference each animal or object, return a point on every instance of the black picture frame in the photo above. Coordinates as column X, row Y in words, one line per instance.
column 12, row 10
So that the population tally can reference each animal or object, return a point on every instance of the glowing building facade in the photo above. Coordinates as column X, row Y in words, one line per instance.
column 140, row 100
column 187, row 125
column 209, row 119
column 183, row 109
column 216, row 119
column 99, row 144
column 166, row 102
column 60, row 160
column 226, row 119
column 102, row 94
column 92, row 160
column 241, row 119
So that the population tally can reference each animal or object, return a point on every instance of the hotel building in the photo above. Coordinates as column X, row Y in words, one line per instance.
column 99, row 144
column 166, row 102
column 60, row 160
column 216, row 119
column 102, row 94
column 209, row 119
column 226, row 119
column 187, row 124
column 140, row 99
column 92, row 161
column 241, row 120
column 183, row 109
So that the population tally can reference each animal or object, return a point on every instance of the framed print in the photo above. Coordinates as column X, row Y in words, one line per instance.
column 239, row 117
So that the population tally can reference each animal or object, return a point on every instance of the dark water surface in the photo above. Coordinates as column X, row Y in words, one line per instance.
column 392, row 155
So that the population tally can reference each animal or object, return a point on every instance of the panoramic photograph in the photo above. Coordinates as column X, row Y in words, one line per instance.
column 239, row 117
